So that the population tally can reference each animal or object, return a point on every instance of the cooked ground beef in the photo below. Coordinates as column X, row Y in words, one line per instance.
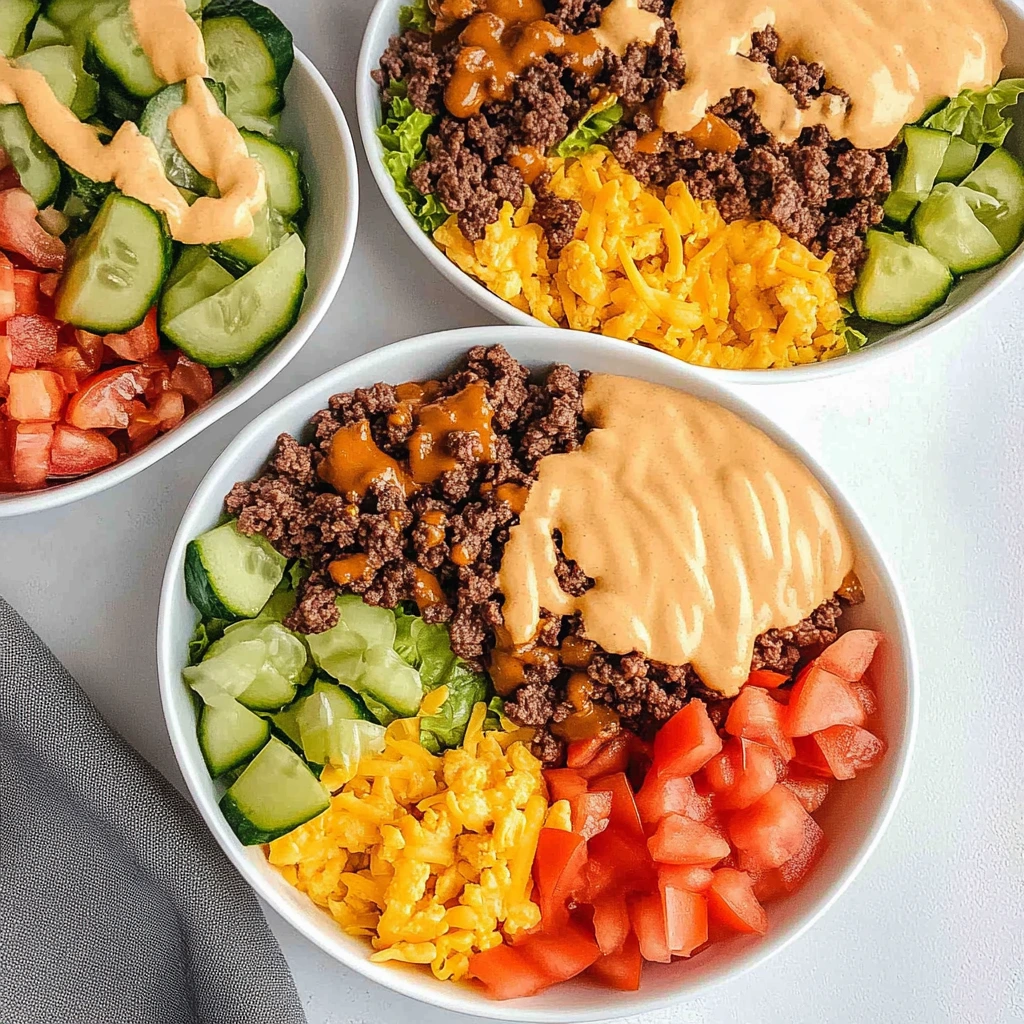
column 303, row 517
column 820, row 190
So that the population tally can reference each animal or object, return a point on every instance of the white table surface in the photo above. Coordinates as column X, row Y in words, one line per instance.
column 930, row 446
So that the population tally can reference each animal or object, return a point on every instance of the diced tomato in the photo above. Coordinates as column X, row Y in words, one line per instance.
column 619, row 863
column 35, row 395
column 30, row 453
column 647, row 916
column 143, row 425
column 621, row 969
column 75, row 451
column 766, row 679
column 69, row 362
column 769, row 832
column 557, row 868
column 612, row 756
column 48, row 284
column 789, row 876
column 564, row 953
column 22, row 233
column 754, row 715
column 841, row 751
column 33, row 339
column 5, row 363
column 670, row 794
column 741, row 774
column 91, row 347
column 138, row 343
column 193, row 380
column 564, row 784
column 581, row 752
column 169, row 410
column 624, row 815
column 590, row 813
column 732, row 903
column 821, row 699
column 680, row 840
column 691, row 877
column 8, row 300
column 850, row 655
column 103, row 400
column 868, row 700
column 611, row 921
column 686, row 742
column 26, row 291
column 810, row 791
column 9, row 177
column 686, row 920
column 507, row 973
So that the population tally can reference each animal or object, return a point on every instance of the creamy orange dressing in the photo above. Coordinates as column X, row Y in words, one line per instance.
column 624, row 22
column 893, row 58
column 700, row 532
column 207, row 138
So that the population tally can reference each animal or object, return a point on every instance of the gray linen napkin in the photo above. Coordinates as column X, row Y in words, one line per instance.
column 116, row 904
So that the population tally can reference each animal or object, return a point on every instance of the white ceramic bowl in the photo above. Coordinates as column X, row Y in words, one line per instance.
column 968, row 294
column 854, row 817
column 313, row 123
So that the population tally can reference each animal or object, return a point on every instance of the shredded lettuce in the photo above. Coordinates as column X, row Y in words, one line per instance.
column 979, row 117
column 597, row 122
column 402, row 135
column 416, row 15
column 855, row 340
column 204, row 634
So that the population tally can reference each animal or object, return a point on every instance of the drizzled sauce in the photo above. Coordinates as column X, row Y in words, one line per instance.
column 699, row 531
column 348, row 569
column 354, row 463
column 466, row 411
column 426, row 591
column 712, row 133
column 529, row 162
column 624, row 22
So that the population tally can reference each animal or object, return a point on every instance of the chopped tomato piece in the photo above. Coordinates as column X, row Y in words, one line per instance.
column 75, row 451
column 866, row 696
column 841, row 751
column 48, row 284
column 33, row 339
column 8, row 300
column 769, row 832
column 624, row 815
column 590, row 813
column 557, row 868
column 741, row 774
column 193, row 380
column 30, row 453
column 647, row 916
column 619, row 863
column 562, row 954
column 670, row 794
column 69, row 362
column 564, row 784
column 732, row 903
column 754, row 715
column 821, row 699
column 26, row 291
column 581, row 752
column 850, row 655
column 686, row 920
column 788, row 876
column 686, row 742
column 683, row 876
column 143, row 424
column 507, row 973
column 138, row 343
column 35, row 395
column 680, row 840
column 766, row 679
column 22, row 233
column 91, row 347
column 810, row 791
column 611, row 921
column 169, row 410
column 103, row 400
column 5, row 363
column 621, row 969
column 611, row 757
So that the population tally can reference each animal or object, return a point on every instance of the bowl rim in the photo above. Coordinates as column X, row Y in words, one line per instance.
column 272, row 363
column 899, row 340
column 307, row 399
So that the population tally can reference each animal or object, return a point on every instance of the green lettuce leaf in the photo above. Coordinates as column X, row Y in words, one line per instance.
column 594, row 124
column 416, row 15
column 402, row 135
column 855, row 340
column 979, row 117
column 205, row 634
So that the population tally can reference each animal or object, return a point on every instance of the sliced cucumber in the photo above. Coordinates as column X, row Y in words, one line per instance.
column 35, row 163
column 946, row 226
column 389, row 680
column 116, row 270
column 15, row 18
column 190, row 258
column 281, row 168
column 332, row 732
column 154, row 123
column 899, row 281
column 242, row 254
column 339, row 650
column 229, row 575
column 46, row 33
column 958, row 161
column 286, row 723
column 224, row 674
column 350, row 704
column 1000, row 176
column 61, row 66
column 266, row 126
column 229, row 735
column 115, row 44
column 275, row 794
column 206, row 278
column 235, row 324
column 285, row 667
column 925, row 152
column 90, row 194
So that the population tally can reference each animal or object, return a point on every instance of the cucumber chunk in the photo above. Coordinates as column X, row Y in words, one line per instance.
column 46, row 33
column 1001, row 177
column 34, row 161
column 229, row 575
column 115, row 44
column 242, row 254
column 15, row 18
column 284, row 667
column 925, row 152
column 275, row 794
column 205, row 279
column 946, row 226
column 233, row 325
column 958, row 161
column 329, row 732
column 899, row 281
column 116, row 270
column 62, row 68
column 284, row 179
column 229, row 735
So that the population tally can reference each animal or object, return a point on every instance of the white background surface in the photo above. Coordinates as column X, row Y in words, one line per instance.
column 930, row 447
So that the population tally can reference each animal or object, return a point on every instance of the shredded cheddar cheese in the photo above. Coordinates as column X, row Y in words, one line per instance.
column 660, row 268
column 429, row 856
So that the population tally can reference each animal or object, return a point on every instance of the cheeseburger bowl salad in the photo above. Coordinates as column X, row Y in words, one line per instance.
column 523, row 678
column 736, row 184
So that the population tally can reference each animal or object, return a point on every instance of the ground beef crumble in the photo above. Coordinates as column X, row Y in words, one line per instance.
column 302, row 517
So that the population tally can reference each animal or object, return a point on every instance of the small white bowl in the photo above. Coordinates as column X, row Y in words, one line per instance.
column 313, row 123
column 854, row 817
column 968, row 294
